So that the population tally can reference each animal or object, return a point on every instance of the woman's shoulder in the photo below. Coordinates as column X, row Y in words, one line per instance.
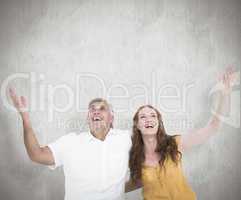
column 178, row 139
column 175, row 137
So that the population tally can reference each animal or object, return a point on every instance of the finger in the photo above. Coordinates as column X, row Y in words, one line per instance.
column 231, row 70
column 14, row 98
column 220, row 76
column 223, row 78
column 13, row 95
column 23, row 101
column 12, row 92
column 16, row 103
column 230, row 73
column 226, row 79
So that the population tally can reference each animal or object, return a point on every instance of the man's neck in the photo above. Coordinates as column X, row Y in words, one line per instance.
column 100, row 133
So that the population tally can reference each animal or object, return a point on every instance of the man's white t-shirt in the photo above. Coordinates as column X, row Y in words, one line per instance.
column 93, row 169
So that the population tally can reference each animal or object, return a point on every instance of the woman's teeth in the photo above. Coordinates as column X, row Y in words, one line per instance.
column 149, row 126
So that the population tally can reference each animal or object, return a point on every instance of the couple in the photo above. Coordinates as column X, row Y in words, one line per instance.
column 95, row 163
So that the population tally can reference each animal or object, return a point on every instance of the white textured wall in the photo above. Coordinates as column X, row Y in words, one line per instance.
column 164, row 52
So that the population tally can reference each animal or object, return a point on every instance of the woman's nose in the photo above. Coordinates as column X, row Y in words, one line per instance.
column 148, row 119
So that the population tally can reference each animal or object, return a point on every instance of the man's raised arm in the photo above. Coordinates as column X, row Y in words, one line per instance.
column 42, row 155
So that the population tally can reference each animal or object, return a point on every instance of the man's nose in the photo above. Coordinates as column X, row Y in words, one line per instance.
column 96, row 112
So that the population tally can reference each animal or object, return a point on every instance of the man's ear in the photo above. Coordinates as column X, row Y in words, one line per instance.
column 88, row 117
column 111, row 120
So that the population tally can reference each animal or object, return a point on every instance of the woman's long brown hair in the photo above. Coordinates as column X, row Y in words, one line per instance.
column 166, row 146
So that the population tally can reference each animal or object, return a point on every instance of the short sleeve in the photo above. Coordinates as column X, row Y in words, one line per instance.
column 128, row 175
column 128, row 139
column 58, row 149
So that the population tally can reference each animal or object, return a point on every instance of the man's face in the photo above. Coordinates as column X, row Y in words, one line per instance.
column 100, row 116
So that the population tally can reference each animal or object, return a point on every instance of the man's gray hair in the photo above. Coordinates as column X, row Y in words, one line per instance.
column 98, row 100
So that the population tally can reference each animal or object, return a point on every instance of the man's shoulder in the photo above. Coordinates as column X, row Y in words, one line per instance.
column 123, row 137
column 121, row 132
column 68, row 136
column 73, row 135
column 72, row 138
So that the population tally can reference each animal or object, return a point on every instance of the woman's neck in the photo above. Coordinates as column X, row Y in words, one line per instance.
column 150, row 143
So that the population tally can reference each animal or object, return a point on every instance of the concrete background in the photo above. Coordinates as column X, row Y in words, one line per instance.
column 163, row 52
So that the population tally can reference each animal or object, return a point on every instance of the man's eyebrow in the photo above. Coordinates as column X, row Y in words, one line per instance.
column 102, row 106
column 99, row 106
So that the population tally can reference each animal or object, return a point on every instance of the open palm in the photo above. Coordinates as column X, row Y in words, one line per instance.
column 227, row 79
column 20, row 103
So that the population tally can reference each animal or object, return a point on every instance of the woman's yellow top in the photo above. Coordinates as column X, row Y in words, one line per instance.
column 166, row 183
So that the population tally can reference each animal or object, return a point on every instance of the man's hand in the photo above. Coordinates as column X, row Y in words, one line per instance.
column 20, row 103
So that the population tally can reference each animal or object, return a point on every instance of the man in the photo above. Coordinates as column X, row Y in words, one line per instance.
column 95, row 163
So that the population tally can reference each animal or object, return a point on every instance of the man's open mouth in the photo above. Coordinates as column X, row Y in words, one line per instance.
column 96, row 119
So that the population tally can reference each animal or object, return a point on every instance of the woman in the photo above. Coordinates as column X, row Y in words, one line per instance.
column 155, row 157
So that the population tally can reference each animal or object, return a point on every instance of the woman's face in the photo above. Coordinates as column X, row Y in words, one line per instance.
column 148, row 121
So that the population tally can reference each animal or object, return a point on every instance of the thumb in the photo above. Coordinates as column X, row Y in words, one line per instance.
column 23, row 101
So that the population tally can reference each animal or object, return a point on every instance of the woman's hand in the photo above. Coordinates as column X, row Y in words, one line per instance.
column 227, row 80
